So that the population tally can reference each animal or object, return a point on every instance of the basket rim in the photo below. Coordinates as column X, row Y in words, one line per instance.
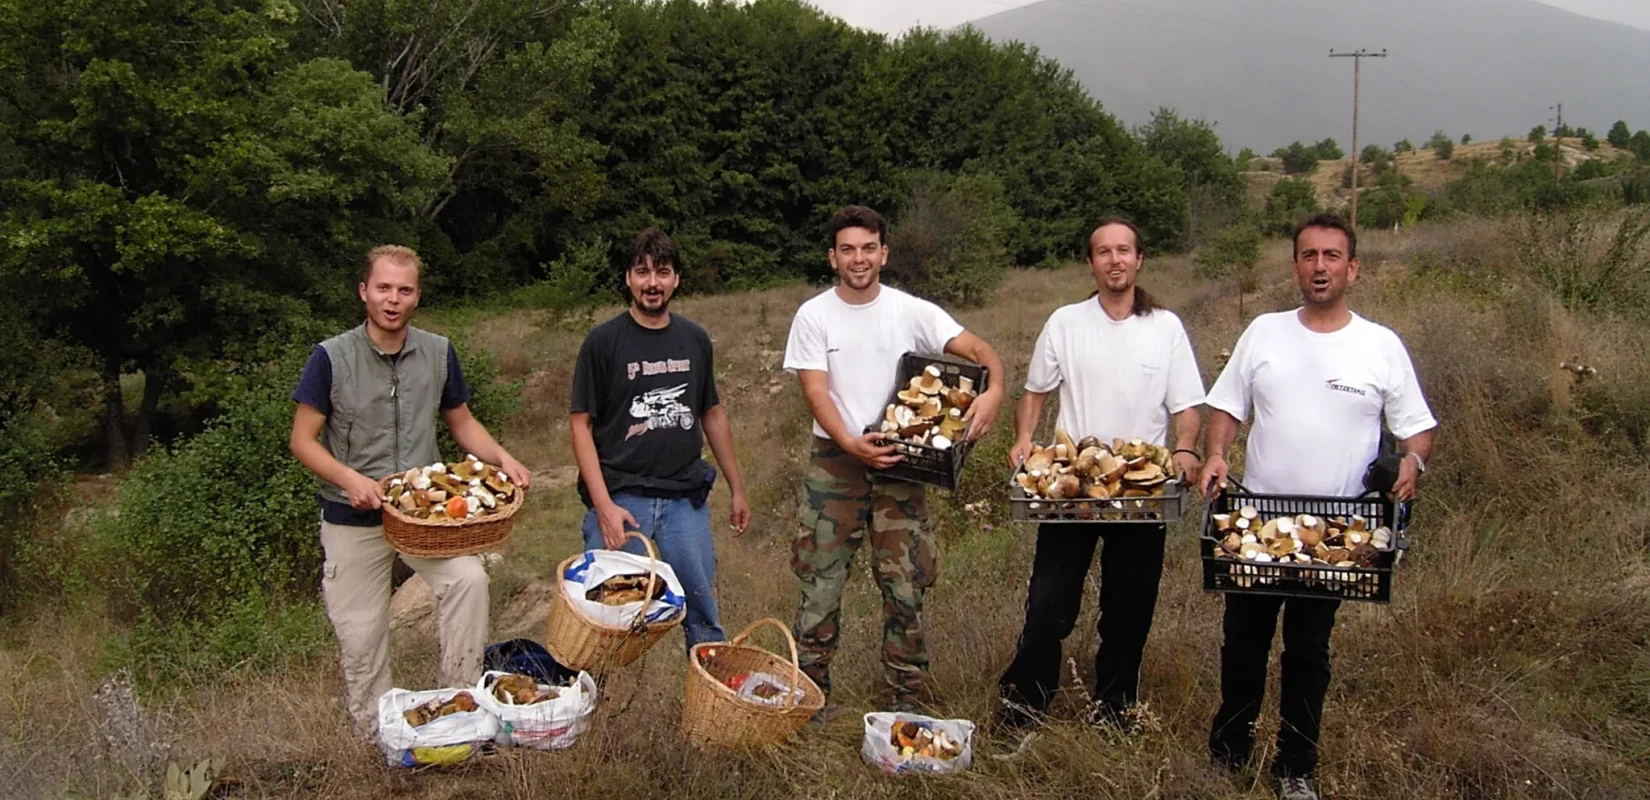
column 510, row 509
column 725, row 692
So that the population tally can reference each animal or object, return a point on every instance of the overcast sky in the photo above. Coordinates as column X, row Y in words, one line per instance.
column 892, row 16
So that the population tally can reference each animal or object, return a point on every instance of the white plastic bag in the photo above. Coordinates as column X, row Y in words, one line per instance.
column 446, row 740
column 760, row 680
column 879, row 751
column 596, row 566
column 550, row 725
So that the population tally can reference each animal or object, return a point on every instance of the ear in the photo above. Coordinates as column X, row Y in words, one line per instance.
column 361, row 289
column 1351, row 271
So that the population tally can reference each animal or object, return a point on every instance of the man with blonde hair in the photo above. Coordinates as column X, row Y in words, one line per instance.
column 367, row 404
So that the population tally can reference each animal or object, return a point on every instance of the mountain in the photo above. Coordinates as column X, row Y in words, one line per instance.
column 1261, row 71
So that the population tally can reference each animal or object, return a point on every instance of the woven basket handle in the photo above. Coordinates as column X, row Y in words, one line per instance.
column 652, row 577
column 796, row 670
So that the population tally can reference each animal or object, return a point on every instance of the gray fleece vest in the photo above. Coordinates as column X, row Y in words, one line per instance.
column 384, row 407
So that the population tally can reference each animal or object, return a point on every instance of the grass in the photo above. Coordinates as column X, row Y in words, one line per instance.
column 1514, row 660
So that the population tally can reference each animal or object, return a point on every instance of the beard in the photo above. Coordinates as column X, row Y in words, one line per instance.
column 657, row 306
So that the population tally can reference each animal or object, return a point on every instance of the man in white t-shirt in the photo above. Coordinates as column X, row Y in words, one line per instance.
column 1124, row 369
column 845, row 345
column 1319, row 381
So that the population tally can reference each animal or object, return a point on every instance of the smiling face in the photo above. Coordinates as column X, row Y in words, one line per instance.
column 1114, row 258
column 858, row 256
column 1324, row 268
column 390, row 293
column 651, row 285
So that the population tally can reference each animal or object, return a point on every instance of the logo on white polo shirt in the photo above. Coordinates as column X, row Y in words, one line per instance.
column 1336, row 385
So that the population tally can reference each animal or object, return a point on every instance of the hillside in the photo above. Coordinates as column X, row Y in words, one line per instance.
column 1505, row 667
column 1261, row 71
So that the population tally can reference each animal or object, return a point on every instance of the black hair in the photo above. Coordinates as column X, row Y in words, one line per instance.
column 1331, row 221
column 857, row 217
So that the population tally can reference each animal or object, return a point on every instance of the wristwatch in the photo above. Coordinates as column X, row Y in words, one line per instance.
column 1418, row 461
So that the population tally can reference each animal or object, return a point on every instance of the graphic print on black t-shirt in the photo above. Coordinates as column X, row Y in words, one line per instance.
column 645, row 391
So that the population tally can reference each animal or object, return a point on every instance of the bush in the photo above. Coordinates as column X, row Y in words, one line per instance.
column 35, row 485
column 1234, row 248
column 1291, row 200
column 1403, row 146
column 1538, row 134
column 1466, row 138
column 1329, row 150
column 1442, row 145
column 1297, row 159
column 1589, row 141
column 1589, row 259
column 1619, row 134
column 948, row 242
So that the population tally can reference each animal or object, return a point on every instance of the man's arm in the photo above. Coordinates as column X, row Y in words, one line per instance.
column 1409, row 470
column 1026, row 415
column 1187, row 423
column 474, row 438
column 1222, row 432
column 984, row 410
column 610, row 518
column 306, row 447
column 720, row 435
column 816, row 390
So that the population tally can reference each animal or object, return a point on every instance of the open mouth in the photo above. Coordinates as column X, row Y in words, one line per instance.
column 391, row 316
column 1320, row 282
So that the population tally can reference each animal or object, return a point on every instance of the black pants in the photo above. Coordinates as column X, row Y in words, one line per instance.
column 1250, row 622
column 1131, row 565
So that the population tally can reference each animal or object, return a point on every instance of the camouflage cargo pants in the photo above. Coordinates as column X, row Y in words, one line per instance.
column 841, row 505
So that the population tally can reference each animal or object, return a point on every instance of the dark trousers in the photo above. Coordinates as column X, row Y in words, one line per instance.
column 1131, row 565
column 1249, row 624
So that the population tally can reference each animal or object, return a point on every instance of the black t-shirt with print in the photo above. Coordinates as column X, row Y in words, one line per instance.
column 645, row 391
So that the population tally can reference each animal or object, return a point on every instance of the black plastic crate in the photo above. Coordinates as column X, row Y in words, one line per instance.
column 922, row 463
column 1365, row 584
column 1165, row 508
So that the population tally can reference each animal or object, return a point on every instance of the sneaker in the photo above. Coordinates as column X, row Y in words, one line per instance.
column 1296, row 789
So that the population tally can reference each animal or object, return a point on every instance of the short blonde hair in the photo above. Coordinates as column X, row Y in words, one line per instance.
column 397, row 254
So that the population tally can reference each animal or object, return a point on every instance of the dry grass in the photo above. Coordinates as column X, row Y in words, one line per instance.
column 1513, row 662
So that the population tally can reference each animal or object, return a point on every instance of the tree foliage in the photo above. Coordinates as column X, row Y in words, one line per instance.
column 1619, row 134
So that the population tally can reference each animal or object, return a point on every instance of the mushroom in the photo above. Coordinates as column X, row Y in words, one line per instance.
column 1251, row 550
column 1065, row 487
column 929, row 381
column 940, row 442
column 1269, row 530
column 1232, row 543
column 1281, row 546
column 965, row 384
column 1147, row 476
column 1087, row 442
column 1243, row 524
column 912, row 397
column 932, row 407
column 959, row 399
column 485, row 497
column 1026, row 482
column 1040, row 459
column 1087, row 459
column 1097, row 491
column 1249, row 512
column 1063, row 438
column 1222, row 521
column 1286, row 527
column 1381, row 538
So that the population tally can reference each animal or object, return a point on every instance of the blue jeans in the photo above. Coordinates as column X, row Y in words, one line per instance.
column 682, row 534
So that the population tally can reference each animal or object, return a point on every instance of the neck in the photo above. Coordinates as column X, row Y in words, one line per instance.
column 386, row 341
column 858, row 297
column 1326, row 318
column 1117, row 305
column 654, row 322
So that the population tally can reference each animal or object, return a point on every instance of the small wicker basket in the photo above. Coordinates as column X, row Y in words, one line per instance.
column 581, row 643
column 714, row 716
column 448, row 538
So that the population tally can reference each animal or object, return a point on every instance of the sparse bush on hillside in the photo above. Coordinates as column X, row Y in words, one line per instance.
column 1442, row 145
column 1466, row 138
column 1640, row 145
column 947, row 241
column 1509, row 152
column 1538, row 134
column 1588, row 140
column 1244, row 156
column 1329, row 150
column 1235, row 248
column 1619, row 134
column 1403, row 146
column 1590, row 259
column 1298, row 159
column 1291, row 200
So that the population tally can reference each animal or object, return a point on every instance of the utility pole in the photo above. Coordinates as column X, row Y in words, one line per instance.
column 1357, row 74
column 1558, row 138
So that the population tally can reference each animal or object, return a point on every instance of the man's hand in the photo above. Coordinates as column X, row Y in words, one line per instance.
column 1019, row 453
column 1213, row 479
column 363, row 492
column 873, row 455
column 982, row 412
column 1186, row 464
column 612, row 519
column 1408, row 473
column 740, row 517
column 519, row 474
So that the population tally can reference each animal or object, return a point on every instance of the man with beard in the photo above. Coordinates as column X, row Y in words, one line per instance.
column 1125, row 370
column 1320, row 380
column 644, row 388
column 845, row 345
column 367, row 404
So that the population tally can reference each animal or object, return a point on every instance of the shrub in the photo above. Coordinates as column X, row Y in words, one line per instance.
column 1298, row 159
column 491, row 401
column 1291, row 200
column 1442, row 145
column 1589, row 141
column 1329, row 150
column 1233, row 248
column 1619, row 134
column 35, row 486
column 1589, row 259
column 1538, row 134
column 1466, row 138
column 948, row 242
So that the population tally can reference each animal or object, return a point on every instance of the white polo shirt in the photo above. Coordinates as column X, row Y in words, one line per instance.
column 859, row 347
column 1118, row 379
column 1318, row 401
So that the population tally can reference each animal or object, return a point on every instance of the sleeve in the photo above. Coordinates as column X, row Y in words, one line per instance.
column 586, row 397
column 1231, row 390
column 1043, row 374
column 314, row 387
column 1185, row 383
column 1407, row 412
column 805, row 348
column 455, row 392
column 937, row 328
column 709, row 398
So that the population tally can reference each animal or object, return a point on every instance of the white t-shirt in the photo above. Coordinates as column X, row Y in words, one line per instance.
column 1318, row 400
column 859, row 347
column 1117, row 379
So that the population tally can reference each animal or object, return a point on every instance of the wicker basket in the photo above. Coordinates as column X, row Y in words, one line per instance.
column 581, row 643
column 714, row 716
column 448, row 538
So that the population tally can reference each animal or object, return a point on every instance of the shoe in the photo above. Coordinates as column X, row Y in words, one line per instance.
column 904, row 704
column 823, row 716
column 1012, row 717
column 1296, row 789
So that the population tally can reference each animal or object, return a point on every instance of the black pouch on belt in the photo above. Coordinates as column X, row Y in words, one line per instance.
column 702, row 494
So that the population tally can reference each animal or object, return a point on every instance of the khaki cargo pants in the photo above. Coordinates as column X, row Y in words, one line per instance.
column 841, row 505
column 355, row 582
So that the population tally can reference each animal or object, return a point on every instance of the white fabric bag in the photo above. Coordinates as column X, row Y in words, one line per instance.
column 879, row 751
column 596, row 566
column 446, row 740
column 550, row 725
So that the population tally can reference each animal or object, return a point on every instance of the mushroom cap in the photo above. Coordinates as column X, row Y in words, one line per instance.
column 1040, row 460
column 1065, row 487
column 940, row 442
column 1249, row 512
column 1097, row 491
column 1222, row 521
column 931, row 407
column 929, row 381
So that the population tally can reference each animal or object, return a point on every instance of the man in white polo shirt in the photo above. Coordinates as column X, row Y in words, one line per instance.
column 1319, row 381
column 845, row 345
column 1125, row 370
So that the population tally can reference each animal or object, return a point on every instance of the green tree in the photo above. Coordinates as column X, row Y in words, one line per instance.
column 1403, row 146
column 1442, row 145
column 1245, row 156
column 951, row 234
column 1640, row 145
column 1329, row 150
column 1291, row 200
column 1619, row 134
column 1538, row 134
column 1588, row 140
column 1466, row 138
column 1297, row 159
column 1213, row 186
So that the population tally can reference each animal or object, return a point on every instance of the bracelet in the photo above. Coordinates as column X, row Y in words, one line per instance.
column 1180, row 450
